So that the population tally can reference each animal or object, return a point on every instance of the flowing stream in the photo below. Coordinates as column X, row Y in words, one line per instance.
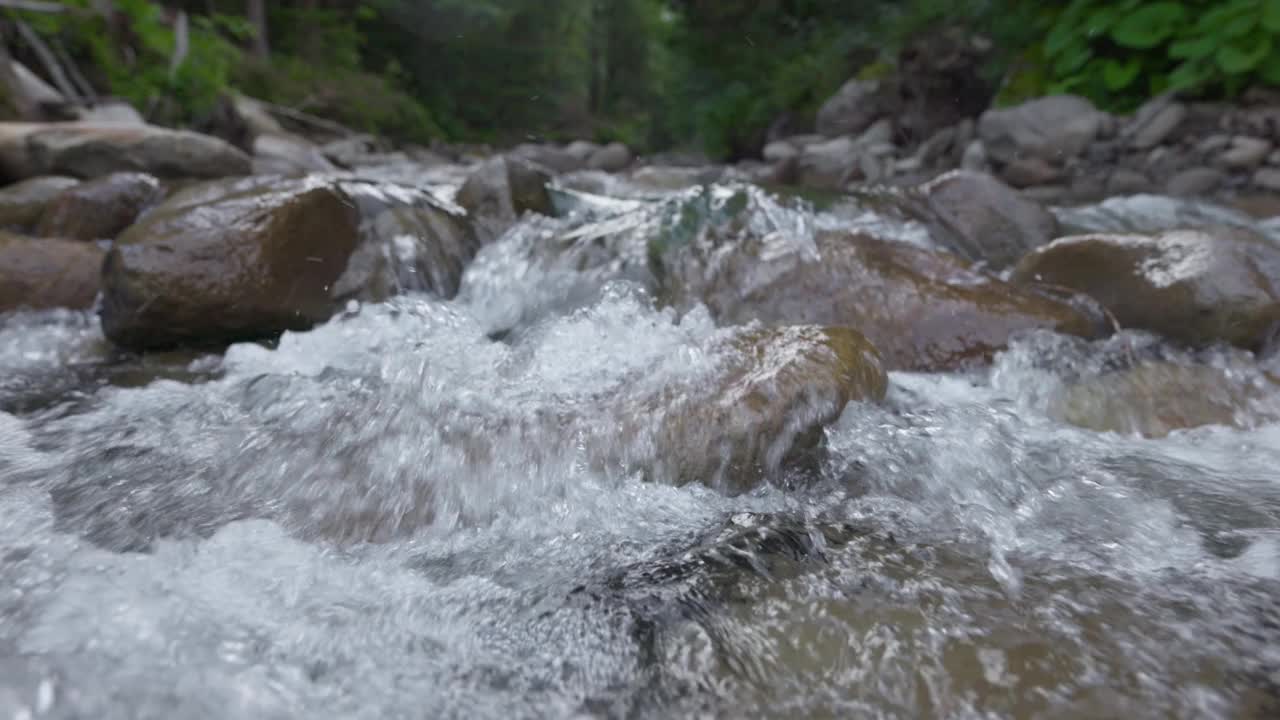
column 459, row 509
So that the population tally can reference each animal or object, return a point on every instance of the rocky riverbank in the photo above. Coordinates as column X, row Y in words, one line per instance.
column 308, row 426
column 184, row 240
column 1058, row 149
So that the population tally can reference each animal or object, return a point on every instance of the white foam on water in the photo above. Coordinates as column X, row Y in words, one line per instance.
column 394, row 514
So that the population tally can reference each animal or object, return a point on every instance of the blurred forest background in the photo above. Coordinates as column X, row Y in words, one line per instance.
column 656, row 74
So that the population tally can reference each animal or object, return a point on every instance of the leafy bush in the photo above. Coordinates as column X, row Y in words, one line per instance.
column 353, row 97
column 1119, row 53
column 131, row 55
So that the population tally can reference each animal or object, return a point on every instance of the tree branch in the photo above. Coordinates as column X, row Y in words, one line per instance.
column 181, row 43
column 306, row 119
column 36, row 6
column 50, row 62
column 86, row 89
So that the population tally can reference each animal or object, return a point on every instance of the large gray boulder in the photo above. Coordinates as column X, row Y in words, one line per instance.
column 614, row 157
column 89, row 150
column 1052, row 128
column 552, row 157
column 1154, row 122
column 851, row 110
column 502, row 189
column 284, row 153
column 981, row 219
column 831, row 164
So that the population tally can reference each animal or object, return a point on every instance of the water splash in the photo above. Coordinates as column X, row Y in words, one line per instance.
column 965, row 549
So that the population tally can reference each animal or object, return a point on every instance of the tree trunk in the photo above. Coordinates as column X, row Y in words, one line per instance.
column 14, row 103
column 257, row 12
column 49, row 60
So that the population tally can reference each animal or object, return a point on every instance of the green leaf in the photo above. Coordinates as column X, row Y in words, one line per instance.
column 1119, row 75
column 1066, row 86
column 1073, row 14
column 1240, row 26
column 1059, row 39
column 1189, row 75
column 1149, row 25
column 1072, row 60
column 1157, row 84
column 1101, row 20
column 1200, row 47
column 1271, row 15
column 1216, row 20
column 1237, row 59
column 1269, row 69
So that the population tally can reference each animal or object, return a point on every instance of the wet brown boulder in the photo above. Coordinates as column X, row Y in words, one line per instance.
column 88, row 150
column 22, row 203
column 99, row 208
column 778, row 388
column 410, row 240
column 47, row 273
column 251, row 261
column 923, row 310
column 1196, row 287
column 1154, row 399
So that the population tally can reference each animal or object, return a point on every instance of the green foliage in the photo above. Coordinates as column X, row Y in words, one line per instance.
column 651, row 73
column 318, row 65
column 739, row 64
column 131, row 55
column 1119, row 53
column 356, row 98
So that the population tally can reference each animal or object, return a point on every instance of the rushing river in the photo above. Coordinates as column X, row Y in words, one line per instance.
column 405, row 513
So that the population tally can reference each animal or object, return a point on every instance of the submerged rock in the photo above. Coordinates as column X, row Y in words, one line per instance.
column 243, row 264
column 923, row 310
column 22, row 204
column 100, row 208
column 777, row 391
column 47, row 273
column 410, row 241
column 1154, row 399
column 89, row 150
column 1147, row 214
column 1194, row 286
column 749, row 255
